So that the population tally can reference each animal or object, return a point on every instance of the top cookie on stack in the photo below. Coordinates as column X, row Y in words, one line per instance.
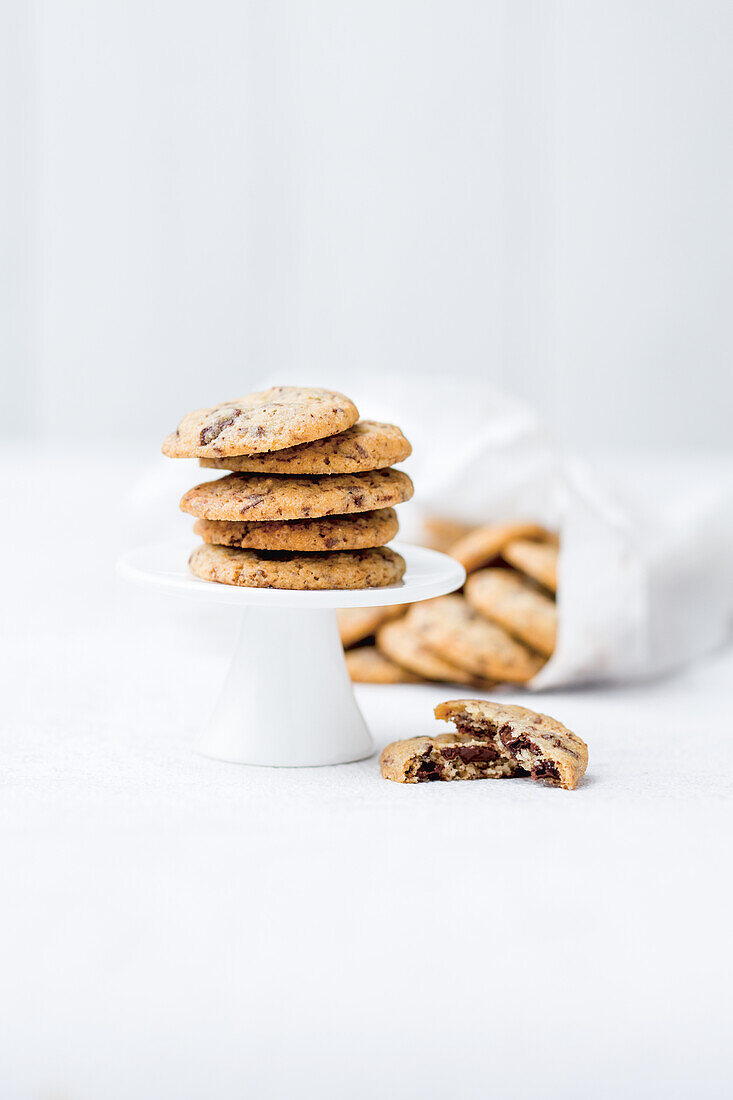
column 283, row 416
column 308, row 501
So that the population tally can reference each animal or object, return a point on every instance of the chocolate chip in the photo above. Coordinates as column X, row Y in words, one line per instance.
column 474, row 729
column 560, row 744
column 209, row 433
column 545, row 769
column 252, row 501
column 427, row 772
column 480, row 754
column 521, row 743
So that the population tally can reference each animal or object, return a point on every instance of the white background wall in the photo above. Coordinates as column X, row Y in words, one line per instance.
column 194, row 195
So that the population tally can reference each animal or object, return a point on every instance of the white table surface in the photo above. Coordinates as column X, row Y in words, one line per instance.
column 177, row 927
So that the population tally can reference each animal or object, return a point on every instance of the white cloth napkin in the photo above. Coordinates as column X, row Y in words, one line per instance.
column 646, row 562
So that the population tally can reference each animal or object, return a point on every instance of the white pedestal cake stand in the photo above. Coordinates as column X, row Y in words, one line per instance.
column 287, row 700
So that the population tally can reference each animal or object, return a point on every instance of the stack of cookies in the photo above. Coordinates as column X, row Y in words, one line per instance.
column 309, row 499
column 501, row 628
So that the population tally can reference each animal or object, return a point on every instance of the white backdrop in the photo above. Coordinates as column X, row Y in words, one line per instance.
column 197, row 194
column 193, row 196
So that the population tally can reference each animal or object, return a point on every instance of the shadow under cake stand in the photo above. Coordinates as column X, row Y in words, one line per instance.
column 287, row 700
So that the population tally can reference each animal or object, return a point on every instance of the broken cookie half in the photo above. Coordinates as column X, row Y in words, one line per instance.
column 541, row 746
column 493, row 741
column 447, row 756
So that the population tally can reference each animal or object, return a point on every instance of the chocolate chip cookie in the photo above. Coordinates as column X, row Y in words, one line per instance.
column 406, row 647
column 539, row 745
column 481, row 545
column 445, row 757
column 357, row 623
column 368, row 445
column 537, row 559
column 373, row 568
column 277, row 497
column 284, row 416
column 366, row 665
column 515, row 604
column 441, row 534
column 451, row 627
column 357, row 532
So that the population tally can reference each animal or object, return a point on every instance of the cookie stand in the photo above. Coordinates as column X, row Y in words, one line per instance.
column 287, row 700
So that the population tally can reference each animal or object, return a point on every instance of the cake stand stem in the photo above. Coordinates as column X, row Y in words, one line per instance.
column 287, row 700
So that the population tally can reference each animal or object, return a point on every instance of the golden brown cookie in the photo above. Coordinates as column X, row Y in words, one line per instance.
column 515, row 604
column 357, row 623
column 406, row 647
column 277, row 497
column 441, row 534
column 451, row 627
column 284, row 416
column 540, row 745
column 357, row 532
column 366, row 665
column 373, row 568
column 367, row 445
column 445, row 757
column 481, row 545
column 537, row 559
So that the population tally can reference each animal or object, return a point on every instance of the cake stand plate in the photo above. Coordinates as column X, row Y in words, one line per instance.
column 287, row 700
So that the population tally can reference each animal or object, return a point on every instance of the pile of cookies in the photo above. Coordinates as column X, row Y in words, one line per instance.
column 491, row 741
column 308, row 502
column 501, row 628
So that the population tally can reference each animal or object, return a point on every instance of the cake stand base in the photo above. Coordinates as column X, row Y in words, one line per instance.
column 287, row 700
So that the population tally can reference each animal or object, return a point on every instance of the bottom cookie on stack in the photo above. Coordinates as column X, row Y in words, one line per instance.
column 373, row 568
